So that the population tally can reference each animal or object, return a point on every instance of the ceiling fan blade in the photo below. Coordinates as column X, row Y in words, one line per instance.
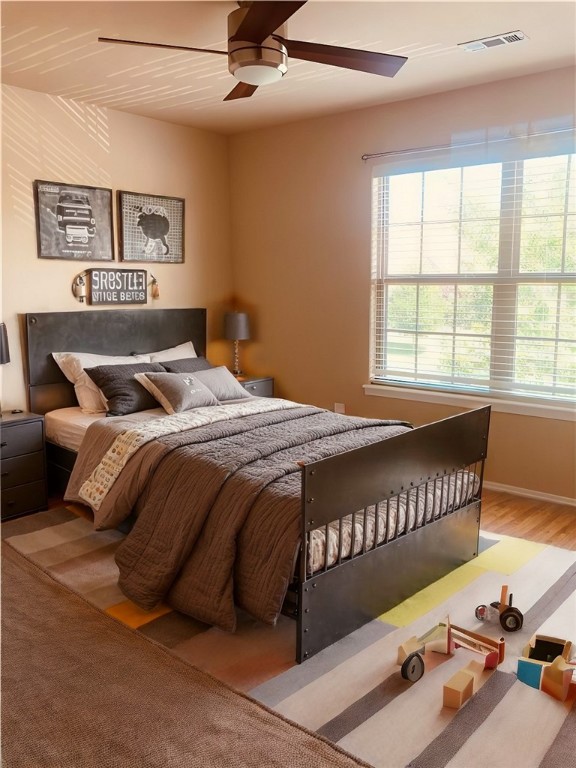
column 265, row 17
column 241, row 91
column 160, row 45
column 349, row 58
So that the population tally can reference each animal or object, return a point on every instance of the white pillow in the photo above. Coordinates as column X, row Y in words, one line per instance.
column 173, row 353
column 89, row 396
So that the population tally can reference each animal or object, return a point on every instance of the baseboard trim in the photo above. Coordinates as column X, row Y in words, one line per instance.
column 515, row 491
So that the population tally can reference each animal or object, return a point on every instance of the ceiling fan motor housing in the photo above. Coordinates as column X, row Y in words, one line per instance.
column 252, row 63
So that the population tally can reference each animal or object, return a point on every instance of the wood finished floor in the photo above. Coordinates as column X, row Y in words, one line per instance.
column 530, row 519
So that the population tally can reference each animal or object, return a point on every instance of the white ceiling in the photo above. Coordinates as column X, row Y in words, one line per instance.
column 52, row 47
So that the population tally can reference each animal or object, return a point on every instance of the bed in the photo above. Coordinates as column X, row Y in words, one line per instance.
column 342, row 519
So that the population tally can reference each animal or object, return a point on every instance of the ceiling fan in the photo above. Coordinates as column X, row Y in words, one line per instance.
column 258, row 51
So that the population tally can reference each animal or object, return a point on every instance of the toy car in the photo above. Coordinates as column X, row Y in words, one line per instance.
column 445, row 638
column 511, row 619
column 545, row 664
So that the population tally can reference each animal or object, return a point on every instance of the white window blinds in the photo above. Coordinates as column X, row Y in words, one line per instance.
column 474, row 270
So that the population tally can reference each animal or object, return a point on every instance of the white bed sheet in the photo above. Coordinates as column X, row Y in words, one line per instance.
column 67, row 426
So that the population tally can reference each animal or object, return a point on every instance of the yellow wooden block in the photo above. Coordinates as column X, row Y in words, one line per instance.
column 475, row 668
column 458, row 689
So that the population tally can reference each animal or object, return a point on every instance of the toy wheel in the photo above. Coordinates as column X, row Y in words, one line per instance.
column 511, row 619
column 413, row 667
column 481, row 612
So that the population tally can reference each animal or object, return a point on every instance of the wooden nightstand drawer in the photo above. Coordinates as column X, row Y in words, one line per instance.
column 22, row 464
column 18, row 439
column 22, row 469
column 23, row 499
column 259, row 387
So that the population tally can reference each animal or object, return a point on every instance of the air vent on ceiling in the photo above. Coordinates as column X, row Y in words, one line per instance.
column 494, row 41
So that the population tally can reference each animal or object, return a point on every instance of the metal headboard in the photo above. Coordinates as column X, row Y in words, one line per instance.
column 104, row 332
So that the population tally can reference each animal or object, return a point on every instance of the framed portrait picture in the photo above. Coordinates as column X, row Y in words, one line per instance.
column 73, row 222
column 151, row 228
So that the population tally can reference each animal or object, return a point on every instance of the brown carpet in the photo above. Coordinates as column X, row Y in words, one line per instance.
column 80, row 690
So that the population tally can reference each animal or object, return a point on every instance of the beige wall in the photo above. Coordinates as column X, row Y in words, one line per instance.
column 58, row 140
column 299, row 259
column 301, row 254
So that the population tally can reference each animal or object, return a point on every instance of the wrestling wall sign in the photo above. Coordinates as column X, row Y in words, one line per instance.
column 117, row 286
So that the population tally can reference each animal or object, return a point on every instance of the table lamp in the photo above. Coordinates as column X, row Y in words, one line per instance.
column 236, row 329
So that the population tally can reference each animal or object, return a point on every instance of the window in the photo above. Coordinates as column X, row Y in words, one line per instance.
column 474, row 277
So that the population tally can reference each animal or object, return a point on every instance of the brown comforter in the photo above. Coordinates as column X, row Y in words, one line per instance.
column 218, row 507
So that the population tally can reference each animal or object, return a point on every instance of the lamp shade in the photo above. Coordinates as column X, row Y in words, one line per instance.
column 4, row 348
column 236, row 326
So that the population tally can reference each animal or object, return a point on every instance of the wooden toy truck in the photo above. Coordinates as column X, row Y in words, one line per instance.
column 510, row 618
column 445, row 638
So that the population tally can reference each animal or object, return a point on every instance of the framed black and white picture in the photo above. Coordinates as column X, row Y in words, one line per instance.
column 151, row 228
column 73, row 222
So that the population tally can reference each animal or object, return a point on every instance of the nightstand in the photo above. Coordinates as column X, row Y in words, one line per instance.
column 22, row 464
column 259, row 387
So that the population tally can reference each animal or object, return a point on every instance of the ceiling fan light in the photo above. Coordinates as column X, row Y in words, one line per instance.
column 258, row 74
column 258, row 65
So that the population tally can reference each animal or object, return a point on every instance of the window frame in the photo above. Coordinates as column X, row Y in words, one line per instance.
column 505, row 283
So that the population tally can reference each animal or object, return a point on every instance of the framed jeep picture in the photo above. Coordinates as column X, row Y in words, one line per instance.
column 73, row 222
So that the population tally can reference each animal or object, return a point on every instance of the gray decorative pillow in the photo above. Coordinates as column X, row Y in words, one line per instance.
column 187, row 365
column 73, row 365
column 177, row 392
column 222, row 384
column 122, row 392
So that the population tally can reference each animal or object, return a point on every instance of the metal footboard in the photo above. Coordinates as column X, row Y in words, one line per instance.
column 410, row 509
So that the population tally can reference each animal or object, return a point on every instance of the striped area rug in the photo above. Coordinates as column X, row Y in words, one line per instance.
column 352, row 693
